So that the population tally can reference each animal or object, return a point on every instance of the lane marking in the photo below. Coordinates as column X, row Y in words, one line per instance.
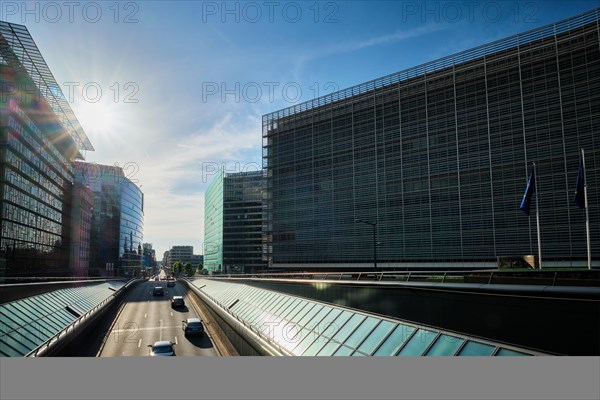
column 145, row 315
column 171, row 313
column 175, row 339
column 161, row 326
column 150, row 328
column 139, row 343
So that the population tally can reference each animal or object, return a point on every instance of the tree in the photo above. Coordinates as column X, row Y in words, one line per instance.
column 188, row 269
column 177, row 267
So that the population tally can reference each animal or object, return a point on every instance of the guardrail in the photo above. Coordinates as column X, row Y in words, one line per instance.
column 78, row 322
column 583, row 277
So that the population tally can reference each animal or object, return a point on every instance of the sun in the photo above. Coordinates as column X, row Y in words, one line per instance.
column 99, row 118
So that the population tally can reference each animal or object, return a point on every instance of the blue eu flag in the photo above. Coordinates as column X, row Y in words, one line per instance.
column 529, row 191
column 579, row 198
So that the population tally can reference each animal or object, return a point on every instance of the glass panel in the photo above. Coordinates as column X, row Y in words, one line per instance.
column 309, row 315
column 15, row 345
column 343, row 351
column 472, row 348
column 361, row 332
column 281, row 306
column 418, row 343
column 297, row 308
column 315, row 323
column 316, row 346
column 291, row 308
column 329, row 348
column 376, row 337
column 445, row 345
column 333, row 329
column 349, row 327
column 507, row 352
column 288, row 307
column 302, row 313
column 266, row 299
column 291, row 340
column 307, row 339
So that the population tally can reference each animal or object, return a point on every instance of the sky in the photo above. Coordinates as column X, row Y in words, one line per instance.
column 173, row 91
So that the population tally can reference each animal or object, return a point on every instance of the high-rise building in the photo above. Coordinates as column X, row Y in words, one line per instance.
column 435, row 160
column 117, row 221
column 40, row 137
column 81, row 218
column 233, row 223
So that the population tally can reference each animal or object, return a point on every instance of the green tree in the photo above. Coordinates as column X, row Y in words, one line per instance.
column 177, row 267
column 188, row 269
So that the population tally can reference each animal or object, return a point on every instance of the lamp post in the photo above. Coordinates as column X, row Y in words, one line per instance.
column 374, row 225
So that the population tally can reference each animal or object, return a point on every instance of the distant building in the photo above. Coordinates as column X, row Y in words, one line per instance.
column 233, row 223
column 149, row 258
column 40, row 137
column 182, row 254
column 197, row 260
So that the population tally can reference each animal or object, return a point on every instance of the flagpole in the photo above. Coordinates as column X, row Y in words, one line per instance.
column 537, row 218
column 587, row 214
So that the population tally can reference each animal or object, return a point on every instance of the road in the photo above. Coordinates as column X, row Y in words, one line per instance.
column 145, row 319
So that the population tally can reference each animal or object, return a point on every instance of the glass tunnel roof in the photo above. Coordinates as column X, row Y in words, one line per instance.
column 302, row 327
column 29, row 322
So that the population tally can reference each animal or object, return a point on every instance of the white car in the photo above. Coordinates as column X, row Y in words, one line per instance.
column 162, row 348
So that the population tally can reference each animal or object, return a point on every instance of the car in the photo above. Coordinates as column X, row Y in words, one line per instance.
column 162, row 348
column 156, row 278
column 170, row 283
column 158, row 291
column 192, row 326
column 177, row 301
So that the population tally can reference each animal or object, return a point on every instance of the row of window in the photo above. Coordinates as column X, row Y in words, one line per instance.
column 31, row 204
column 31, row 180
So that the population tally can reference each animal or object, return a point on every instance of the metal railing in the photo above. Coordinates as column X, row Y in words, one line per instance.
column 563, row 277
column 71, row 327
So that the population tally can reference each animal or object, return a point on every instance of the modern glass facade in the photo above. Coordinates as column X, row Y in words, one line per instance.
column 233, row 223
column 242, row 222
column 213, row 224
column 117, row 221
column 439, row 155
column 40, row 138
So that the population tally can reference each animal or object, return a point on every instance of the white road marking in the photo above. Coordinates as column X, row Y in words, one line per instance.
column 175, row 339
column 171, row 313
column 145, row 315
column 139, row 343
column 150, row 328
column 161, row 326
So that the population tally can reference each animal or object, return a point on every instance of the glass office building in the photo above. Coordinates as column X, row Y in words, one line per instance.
column 117, row 220
column 233, row 223
column 439, row 155
column 40, row 137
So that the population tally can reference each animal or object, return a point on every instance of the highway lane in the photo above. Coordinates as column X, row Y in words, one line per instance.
column 145, row 319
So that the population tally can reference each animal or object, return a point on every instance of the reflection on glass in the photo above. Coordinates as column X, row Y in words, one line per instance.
column 418, row 343
column 472, row 348
column 396, row 339
column 445, row 345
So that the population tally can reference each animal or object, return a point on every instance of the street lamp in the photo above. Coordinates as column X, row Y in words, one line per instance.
column 374, row 225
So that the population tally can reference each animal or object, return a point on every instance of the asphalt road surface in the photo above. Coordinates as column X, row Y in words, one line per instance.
column 145, row 319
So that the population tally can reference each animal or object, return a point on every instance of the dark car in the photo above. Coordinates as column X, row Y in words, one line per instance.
column 158, row 291
column 170, row 283
column 177, row 301
column 192, row 326
column 162, row 348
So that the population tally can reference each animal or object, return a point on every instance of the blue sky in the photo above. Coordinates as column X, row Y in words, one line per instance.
column 173, row 90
